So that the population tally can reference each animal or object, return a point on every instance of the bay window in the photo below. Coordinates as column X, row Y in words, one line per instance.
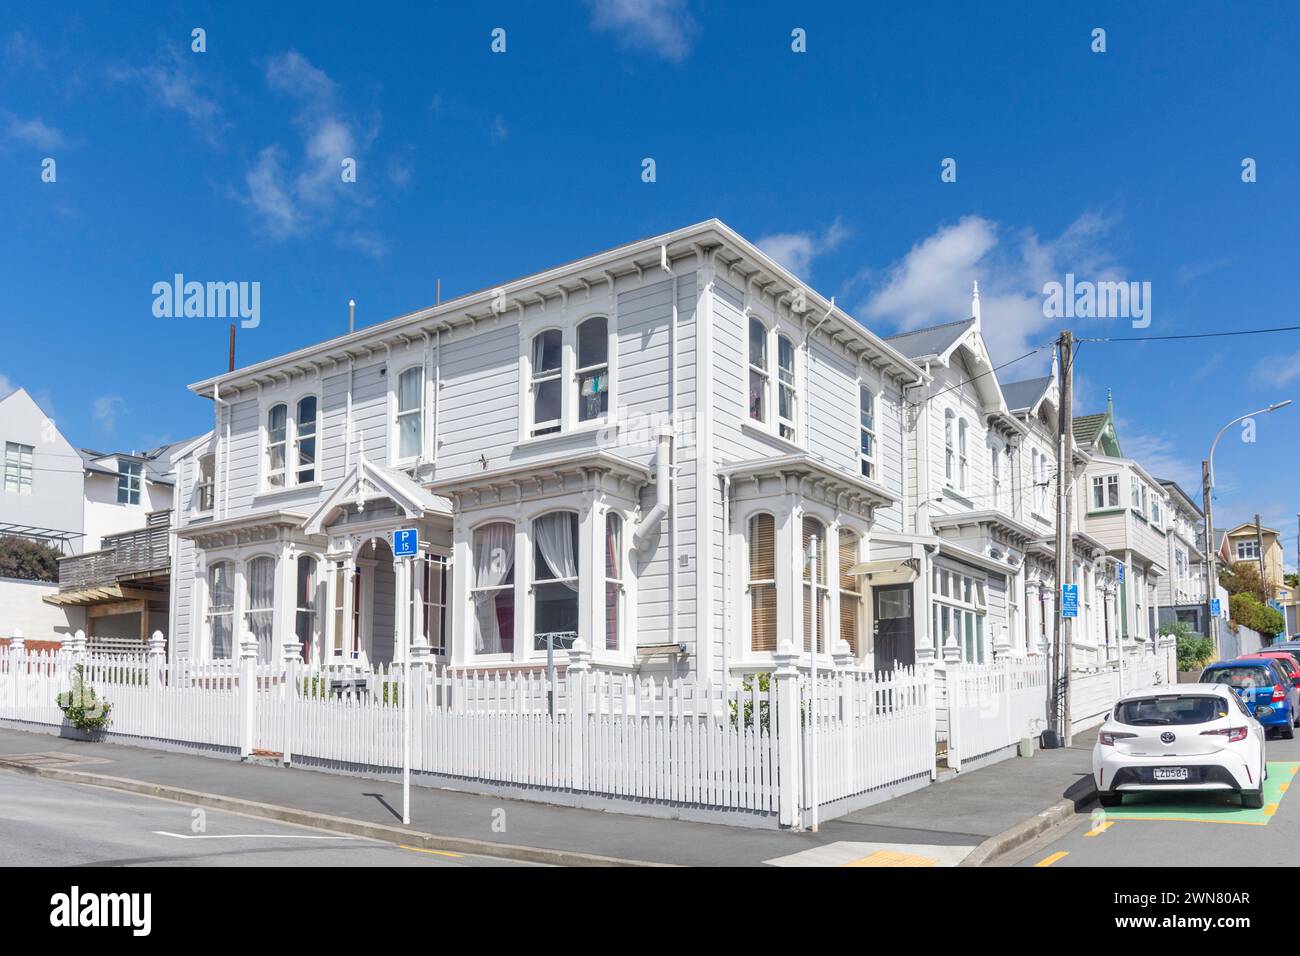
column 304, row 627
column 762, row 583
column 555, row 580
column 613, row 579
column 493, row 590
column 814, row 592
column 220, row 612
column 1105, row 491
column 959, row 610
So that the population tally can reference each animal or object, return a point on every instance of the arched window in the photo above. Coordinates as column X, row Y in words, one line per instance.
column 305, row 620
column 758, row 375
column 850, row 591
column 788, row 395
column 221, row 609
column 277, row 434
column 867, row 428
column 546, row 385
column 963, row 469
column 593, row 369
column 762, row 583
column 613, row 579
column 555, row 579
column 949, row 457
column 493, row 590
column 305, row 439
column 410, row 413
column 814, row 592
column 260, row 615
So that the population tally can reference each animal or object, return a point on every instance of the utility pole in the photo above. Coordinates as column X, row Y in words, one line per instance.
column 1063, row 653
column 1211, row 575
column 1259, row 545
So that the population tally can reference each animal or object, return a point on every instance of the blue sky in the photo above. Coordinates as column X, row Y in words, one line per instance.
column 476, row 167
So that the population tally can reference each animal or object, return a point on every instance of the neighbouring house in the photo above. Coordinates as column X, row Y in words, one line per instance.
column 1242, row 543
column 121, row 582
column 1127, row 511
column 1181, row 593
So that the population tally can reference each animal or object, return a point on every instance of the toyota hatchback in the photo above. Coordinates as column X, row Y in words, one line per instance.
column 1199, row 737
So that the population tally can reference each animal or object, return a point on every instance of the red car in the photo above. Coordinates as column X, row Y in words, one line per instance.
column 1287, row 659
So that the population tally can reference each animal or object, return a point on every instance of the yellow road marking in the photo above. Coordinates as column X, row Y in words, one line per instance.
column 1285, row 787
column 420, row 849
column 1100, row 828
column 1049, row 860
column 1270, row 809
column 893, row 858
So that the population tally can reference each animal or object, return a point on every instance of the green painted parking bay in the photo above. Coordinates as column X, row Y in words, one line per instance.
column 1209, row 807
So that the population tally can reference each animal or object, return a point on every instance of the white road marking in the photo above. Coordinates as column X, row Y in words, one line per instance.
column 251, row 836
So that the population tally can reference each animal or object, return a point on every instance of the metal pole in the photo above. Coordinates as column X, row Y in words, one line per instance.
column 1211, row 578
column 406, row 698
column 812, row 697
column 1066, row 484
column 1259, row 545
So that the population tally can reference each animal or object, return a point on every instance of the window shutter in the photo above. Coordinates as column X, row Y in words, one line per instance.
column 850, row 597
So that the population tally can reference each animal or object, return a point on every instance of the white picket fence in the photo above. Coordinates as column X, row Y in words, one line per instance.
column 1092, row 695
column 993, row 706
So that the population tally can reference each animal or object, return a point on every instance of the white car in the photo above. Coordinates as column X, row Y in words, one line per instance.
column 1184, row 737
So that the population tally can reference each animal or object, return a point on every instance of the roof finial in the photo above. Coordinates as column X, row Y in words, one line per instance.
column 1110, row 404
column 975, row 302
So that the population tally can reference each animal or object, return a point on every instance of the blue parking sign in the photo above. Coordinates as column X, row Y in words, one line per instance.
column 1069, row 600
column 1215, row 607
column 1119, row 571
column 406, row 542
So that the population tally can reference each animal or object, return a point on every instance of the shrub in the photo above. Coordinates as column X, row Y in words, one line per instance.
column 83, row 708
column 1194, row 651
column 1245, row 610
column 28, row 560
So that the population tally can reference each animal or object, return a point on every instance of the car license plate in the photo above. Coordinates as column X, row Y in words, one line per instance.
column 1169, row 773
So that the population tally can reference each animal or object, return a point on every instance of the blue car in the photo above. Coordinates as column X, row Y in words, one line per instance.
column 1266, row 691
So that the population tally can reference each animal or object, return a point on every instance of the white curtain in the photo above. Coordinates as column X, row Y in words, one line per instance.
column 261, row 604
column 494, row 558
column 555, row 535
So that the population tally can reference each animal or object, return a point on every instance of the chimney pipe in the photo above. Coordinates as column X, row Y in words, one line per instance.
column 232, row 348
column 352, row 316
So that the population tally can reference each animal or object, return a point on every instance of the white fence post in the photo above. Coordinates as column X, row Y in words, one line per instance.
column 157, row 649
column 421, row 662
column 789, row 736
column 17, row 667
column 247, row 693
column 289, row 693
column 576, row 677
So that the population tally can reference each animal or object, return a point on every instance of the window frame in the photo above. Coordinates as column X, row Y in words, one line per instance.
column 762, row 371
column 954, row 614
column 398, row 414
column 299, row 438
column 867, row 432
column 228, row 611
column 14, row 455
column 508, row 587
column 550, row 426
column 130, row 481
column 580, row 370
column 1108, row 485
column 535, row 582
column 752, row 582
column 614, row 578
column 205, row 488
column 787, row 384
column 963, row 460
column 310, row 608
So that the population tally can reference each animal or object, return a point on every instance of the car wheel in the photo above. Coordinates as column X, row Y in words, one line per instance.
column 1252, row 799
column 1109, row 798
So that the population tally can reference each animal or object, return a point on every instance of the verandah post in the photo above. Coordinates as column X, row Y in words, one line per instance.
column 247, row 693
column 576, row 677
column 789, row 736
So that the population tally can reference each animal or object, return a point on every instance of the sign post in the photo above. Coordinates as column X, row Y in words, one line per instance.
column 406, row 544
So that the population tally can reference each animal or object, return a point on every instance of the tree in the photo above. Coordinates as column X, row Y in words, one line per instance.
column 1243, row 578
column 1244, row 610
column 28, row 560
column 1194, row 651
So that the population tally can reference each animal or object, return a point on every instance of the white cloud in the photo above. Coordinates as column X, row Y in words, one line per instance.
column 1279, row 370
column 498, row 129
column 663, row 27
column 294, row 195
column 797, row 250
column 104, row 411
column 174, row 84
column 6, row 386
column 32, row 132
column 931, row 284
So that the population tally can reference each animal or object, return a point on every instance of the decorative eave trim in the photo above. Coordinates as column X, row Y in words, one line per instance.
column 857, row 492
column 413, row 500
column 1009, row 526
column 956, row 552
column 533, row 475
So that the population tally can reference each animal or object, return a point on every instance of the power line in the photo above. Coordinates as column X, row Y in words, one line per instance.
column 995, row 368
column 1191, row 335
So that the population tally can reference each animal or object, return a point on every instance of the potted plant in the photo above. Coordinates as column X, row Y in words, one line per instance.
column 85, row 714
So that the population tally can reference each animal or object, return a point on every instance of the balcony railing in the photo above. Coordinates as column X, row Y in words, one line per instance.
column 128, row 554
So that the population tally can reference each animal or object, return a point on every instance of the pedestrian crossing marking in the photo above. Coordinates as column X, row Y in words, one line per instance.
column 1049, row 860
column 890, row 858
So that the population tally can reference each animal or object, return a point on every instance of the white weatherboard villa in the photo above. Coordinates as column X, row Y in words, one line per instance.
column 634, row 449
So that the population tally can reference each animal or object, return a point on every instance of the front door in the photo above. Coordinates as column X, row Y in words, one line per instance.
column 895, row 640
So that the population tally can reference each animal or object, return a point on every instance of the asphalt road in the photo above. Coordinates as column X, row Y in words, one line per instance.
column 1183, row 830
column 51, row 823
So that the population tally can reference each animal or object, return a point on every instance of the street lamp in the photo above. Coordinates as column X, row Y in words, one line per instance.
column 1208, row 481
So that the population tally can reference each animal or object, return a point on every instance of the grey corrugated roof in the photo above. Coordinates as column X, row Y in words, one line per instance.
column 934, row 340
column 1088, row 427
column 1024, row 395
